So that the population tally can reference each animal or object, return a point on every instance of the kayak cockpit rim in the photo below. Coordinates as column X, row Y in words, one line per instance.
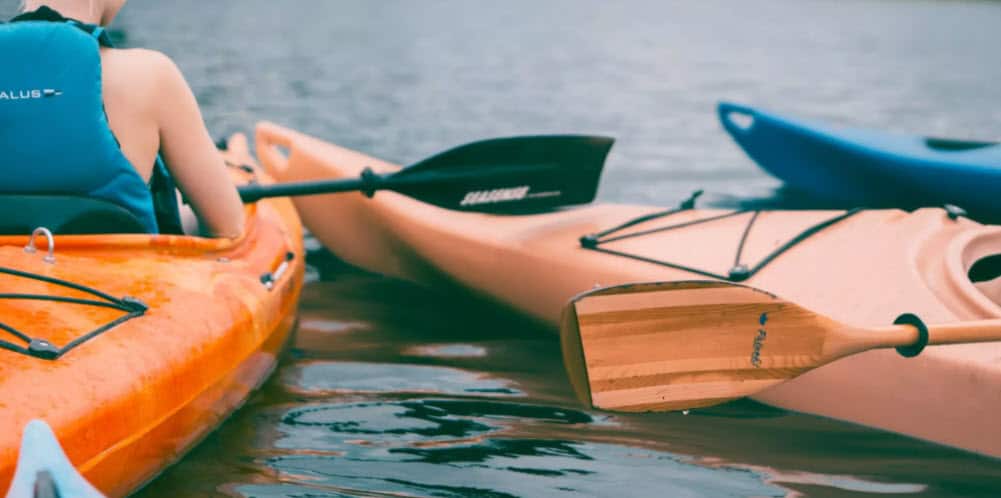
column 112, row 241
column 980, row 250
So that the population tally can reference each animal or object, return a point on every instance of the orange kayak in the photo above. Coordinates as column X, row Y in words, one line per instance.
column 132, row 348
column 864, row 268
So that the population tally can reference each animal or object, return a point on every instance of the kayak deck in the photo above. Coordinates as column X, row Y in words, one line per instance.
column 129, row 401
column 865, row 270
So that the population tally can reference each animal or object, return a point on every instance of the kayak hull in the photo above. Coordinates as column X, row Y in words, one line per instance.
column 866, row 166
column 130, row 401
column 865, row 270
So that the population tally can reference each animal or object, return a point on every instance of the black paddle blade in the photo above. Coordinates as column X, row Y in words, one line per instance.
column 513, row 175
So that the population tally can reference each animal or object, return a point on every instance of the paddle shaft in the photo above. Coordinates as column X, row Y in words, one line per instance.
column 252, row 193
column 369, row 181
column 947, row 333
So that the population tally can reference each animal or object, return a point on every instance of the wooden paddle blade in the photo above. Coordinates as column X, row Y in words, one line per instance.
column 680, row 345
column 508, row 175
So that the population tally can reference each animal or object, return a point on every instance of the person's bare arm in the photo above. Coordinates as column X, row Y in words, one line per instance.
column 196, row 165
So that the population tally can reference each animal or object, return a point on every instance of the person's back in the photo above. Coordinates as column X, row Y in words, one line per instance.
column 150, row 110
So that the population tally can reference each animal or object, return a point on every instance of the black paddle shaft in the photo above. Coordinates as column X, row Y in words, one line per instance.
column 513, row 174
column 256, row 192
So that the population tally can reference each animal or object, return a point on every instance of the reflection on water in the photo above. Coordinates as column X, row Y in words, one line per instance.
column 518, row 467
column 447, row 351
column 847, row 483
column 316, row 378
column 393, row 424
column 364, row 412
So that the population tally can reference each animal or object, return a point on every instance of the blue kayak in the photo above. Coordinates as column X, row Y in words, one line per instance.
column 866, row 167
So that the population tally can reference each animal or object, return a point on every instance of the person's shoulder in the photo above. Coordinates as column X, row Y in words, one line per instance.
column 146, row 68
column 150, row 62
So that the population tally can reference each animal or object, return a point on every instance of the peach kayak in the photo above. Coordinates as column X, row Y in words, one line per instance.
column 864, row 268
column 133, row 347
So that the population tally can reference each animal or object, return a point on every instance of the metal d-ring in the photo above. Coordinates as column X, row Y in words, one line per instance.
column 30, row 248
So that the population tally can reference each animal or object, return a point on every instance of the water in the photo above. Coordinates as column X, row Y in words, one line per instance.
column 403, row 80
column 393, row 390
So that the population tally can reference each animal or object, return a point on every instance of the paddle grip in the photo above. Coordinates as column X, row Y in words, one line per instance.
column 964, row 332
column 947, row 333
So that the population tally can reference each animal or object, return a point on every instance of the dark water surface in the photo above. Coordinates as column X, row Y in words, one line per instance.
column 393, row 390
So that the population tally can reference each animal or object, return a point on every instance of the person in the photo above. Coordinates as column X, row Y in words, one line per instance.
column 48, row 122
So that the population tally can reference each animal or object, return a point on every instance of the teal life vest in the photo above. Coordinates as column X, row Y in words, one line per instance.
column 54, row 133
